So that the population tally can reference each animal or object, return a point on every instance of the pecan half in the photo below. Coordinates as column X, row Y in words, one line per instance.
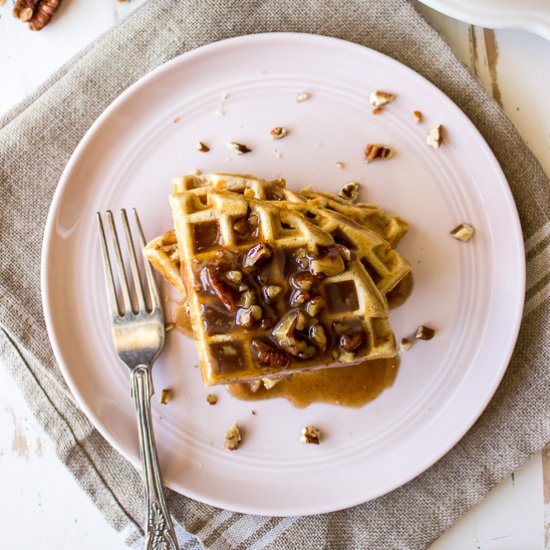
column 270, row 355
column 211, row 278
column 37, row 13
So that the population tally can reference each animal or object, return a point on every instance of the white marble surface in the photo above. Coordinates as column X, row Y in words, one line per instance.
column 41, row 504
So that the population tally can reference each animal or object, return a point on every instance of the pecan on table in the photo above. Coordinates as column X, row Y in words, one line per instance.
column 37, row 13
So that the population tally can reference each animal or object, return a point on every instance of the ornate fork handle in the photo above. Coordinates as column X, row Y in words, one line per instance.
column 160, row 533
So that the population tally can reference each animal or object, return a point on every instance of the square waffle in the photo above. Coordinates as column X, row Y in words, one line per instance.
column 384, row 264
column 270, row 293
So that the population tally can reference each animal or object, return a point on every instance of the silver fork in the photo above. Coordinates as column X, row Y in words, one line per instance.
column 138, row 338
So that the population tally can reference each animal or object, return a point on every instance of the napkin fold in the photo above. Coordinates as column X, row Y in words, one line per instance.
column 36, row 140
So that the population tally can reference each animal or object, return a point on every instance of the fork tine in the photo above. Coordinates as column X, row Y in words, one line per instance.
column 133, row 261
column 120, row 264
column 153, row 290
column 107, row 271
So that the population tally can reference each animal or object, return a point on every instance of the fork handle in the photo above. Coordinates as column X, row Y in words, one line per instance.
column 159, row 529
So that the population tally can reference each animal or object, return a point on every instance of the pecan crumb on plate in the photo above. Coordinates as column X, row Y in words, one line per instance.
column 310, row 435
column 463, row 232
column 233, row 438
column 435, row 137
column 424, row 333
column 378, row 98
column 374, row 152
column 166, row 396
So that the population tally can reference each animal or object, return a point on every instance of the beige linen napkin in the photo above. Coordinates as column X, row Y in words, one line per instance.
column 36, row 140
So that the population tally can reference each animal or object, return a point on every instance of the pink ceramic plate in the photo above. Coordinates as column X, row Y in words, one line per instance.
column 472, row 293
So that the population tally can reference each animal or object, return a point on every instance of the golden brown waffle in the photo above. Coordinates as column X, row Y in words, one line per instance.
column 269, row 292
column 391, row 228
column 356, row 230
column 163, row 254
column 386, row 266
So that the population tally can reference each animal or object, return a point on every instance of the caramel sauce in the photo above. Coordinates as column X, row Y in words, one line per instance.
column 206, row 235
column 352, row 386
column 399, row 294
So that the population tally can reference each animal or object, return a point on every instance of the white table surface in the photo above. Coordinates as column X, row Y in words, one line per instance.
column 41, row 505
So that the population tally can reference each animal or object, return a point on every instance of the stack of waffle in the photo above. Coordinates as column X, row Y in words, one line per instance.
column 279, row 282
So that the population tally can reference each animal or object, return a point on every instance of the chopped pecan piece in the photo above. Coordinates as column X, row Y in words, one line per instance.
column 435, row 137
column 351, row 341
column 270, row 355
column 328, row 264
column 212, row 399
column 315, row 305
column 318, row 336
column 350, row 191
column 373, row 152
column 346, row 356
column 272, row 291
column 258, row 256
column 166, row 396
column 299, row 297
column 378, row 98
column 254, row 385
column 301, row 258
column 302, row 280
column 270, row 382
column 233, row 438
column 247, row 226
column 246, row 317
column 278, row 132
column 239, row 148
column 310, row 435
column 424, row 333
column 418, row 116
column 405, row 345
column 287, row 339
column 463, row 232
column 247, row 298
column 234, row 276
column 202, row 147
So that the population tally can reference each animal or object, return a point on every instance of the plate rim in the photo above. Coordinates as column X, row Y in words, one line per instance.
column 49, row 234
